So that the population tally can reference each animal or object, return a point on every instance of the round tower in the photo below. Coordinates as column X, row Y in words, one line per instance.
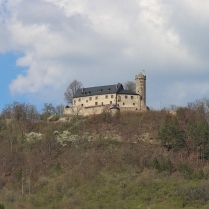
column 141, row 88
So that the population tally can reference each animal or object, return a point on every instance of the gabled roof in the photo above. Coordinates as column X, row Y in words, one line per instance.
column 129, row 92
column 100, row 90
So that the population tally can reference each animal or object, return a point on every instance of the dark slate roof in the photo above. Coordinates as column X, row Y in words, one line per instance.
column 100, row 90
column 124, row 91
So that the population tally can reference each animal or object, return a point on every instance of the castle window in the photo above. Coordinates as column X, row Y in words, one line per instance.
column 132, row 97
column 86, row 101
column 133, row 103
column 90, row 98
column 110, row 102
column 79, row 99
column 82, row 105
column 126, row 97
column 102, row 103
column 112, row 96
column 106, row 96
column 74, row 102
column 119, row 98
column 96, row 97
column 123, row 103
column 96, row 103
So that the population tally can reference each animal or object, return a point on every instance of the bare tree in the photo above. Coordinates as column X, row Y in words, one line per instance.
column 71, row 90
column 60, row 109
column 20, row 111
column 130, row 85
column 47, row 111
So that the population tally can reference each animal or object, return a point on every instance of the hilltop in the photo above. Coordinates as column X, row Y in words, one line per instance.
column 153, row 159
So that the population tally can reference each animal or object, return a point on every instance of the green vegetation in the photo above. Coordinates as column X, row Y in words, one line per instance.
column 153, row 159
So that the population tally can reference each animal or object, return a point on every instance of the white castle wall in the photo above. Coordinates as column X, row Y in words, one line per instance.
column 97, row 100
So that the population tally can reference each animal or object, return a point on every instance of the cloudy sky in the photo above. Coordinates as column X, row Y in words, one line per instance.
column 45, row 44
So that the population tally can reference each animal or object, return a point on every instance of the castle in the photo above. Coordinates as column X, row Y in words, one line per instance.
column 95, row 100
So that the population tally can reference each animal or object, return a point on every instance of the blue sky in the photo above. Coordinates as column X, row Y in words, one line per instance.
column 46, row 44
column 9, row 71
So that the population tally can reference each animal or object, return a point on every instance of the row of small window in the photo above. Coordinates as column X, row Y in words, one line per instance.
column 90, row 98
column 126, row 97
column 133, row 104
column 106, row 97
column 96, row 103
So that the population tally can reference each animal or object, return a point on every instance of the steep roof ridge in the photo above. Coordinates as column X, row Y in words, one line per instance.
column 99, row 90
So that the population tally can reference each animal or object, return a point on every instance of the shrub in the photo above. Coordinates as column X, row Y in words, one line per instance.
column 156, row 164
column 167, row 165
column 186, row 170
column 199, row 175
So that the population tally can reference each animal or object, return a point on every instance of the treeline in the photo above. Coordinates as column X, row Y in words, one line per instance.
column 26, row 111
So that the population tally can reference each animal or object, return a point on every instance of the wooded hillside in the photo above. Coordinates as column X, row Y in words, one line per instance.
column 153, row 159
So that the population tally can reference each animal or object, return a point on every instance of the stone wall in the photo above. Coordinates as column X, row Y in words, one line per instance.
column 85, row 111
column 80, row 110
column 126, row 101
column 109, row 99
column 97, row 100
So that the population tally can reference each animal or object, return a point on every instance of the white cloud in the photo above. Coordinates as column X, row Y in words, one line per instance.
column 100, row 42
